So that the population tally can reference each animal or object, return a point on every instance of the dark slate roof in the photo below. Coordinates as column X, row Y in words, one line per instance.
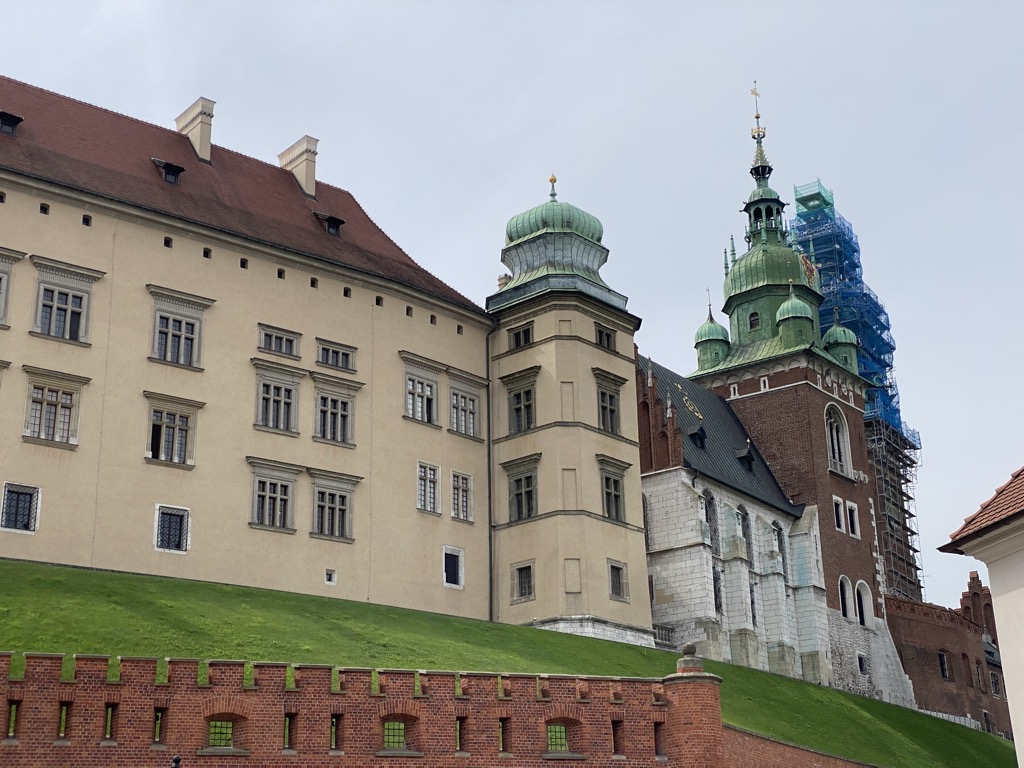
column 726, row 442
column 1007, row 502
column 94, row 150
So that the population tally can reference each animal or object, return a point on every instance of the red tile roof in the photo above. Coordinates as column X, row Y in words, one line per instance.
column 1007, row 502
column 87, row 148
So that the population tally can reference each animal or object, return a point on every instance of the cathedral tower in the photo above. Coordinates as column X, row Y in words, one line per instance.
column 567, row 515
column 802, row 401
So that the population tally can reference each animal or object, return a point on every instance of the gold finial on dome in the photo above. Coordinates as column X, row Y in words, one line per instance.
column 553, row 179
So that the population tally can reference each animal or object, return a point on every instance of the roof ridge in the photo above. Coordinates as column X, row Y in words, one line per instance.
column 999, row 490
column 88, row 104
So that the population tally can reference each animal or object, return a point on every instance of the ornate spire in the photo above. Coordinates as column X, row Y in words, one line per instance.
column 760, row 169
column 725, row 260
column 732, row 249
column 553, row 195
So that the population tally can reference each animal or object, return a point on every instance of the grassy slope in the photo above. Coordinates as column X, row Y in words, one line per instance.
column 49, row 608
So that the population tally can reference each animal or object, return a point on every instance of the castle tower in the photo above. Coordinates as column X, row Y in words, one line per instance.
column 802, row 402
column 567, row 516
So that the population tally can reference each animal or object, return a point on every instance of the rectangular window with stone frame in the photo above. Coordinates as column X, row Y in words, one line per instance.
column 521, row 387
column 277, row 396
column 462, row 498
column 279, row 341
column 177, row 326
column 333, row 354
column 522, row 487
column 8, row 259
column 523, row 581
column 618, row 582
column 273, row 494
column 333, row 494
column 609, row 386
column 21, row 506
column 335, row 408
column 426, row 488
column 53, row 407
column 463, row 415
column 423, row 401
column 171, row 439
column 63, row 300
column 172, row 532
column 613, row 472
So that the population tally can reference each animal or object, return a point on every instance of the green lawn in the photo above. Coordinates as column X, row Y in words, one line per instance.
column 54, row 609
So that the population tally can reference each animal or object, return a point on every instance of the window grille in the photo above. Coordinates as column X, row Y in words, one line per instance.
column 394, row 734
column 221, row 733
column 21, row 507
column 172, row 529
column 558, row 738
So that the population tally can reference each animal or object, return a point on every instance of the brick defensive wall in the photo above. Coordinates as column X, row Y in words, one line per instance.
column 92, row 711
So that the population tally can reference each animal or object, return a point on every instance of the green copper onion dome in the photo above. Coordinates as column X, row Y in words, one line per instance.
column 839, row 334
column 794, row 306
column 553, row 216
column 711, row 331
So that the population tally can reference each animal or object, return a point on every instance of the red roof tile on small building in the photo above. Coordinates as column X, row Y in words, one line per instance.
column 1007, row 502
column 94, row 150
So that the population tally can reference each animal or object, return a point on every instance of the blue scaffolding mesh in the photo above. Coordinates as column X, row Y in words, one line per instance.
column 819, row 228
column 830, row 241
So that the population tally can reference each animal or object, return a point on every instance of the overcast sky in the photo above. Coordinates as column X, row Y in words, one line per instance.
column 446, row 118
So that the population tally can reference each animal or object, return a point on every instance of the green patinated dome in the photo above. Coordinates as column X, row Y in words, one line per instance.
column 711, row 331
column 792, row 307
column 770, row 264
column 839, row 334
column 762, row 193
column 553, row 216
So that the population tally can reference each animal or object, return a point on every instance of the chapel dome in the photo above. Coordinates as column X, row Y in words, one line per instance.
column 793, row 307
column 711, row 331
column 839, row 334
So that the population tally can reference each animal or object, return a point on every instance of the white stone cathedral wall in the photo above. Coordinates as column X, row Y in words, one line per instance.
column 680, row 566
column 885, row 678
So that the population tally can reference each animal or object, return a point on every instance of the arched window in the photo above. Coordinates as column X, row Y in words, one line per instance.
column 753, row 321
column 965, row 662
column 865, row 613
column 844, row 597
column 780, row 544
column 838, row 440
column 711, row 517
column 744, row 520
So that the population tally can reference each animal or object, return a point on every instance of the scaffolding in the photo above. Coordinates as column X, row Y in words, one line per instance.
column 819, row 231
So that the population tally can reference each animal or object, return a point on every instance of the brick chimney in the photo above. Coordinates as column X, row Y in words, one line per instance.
column 300, row 159
column 196, row 122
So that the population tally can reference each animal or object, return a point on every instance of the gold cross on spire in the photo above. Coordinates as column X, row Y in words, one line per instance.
column 756, row 133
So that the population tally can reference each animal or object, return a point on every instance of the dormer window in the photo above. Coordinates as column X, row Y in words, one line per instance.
column 745, row 456
column 698, row 435
column 9, row 123
column 331, row 223
column 754, row 321
column 171, row 172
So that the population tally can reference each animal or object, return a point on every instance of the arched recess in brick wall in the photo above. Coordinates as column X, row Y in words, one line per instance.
column 661, row 452
column 645, row 436
column 990, row 622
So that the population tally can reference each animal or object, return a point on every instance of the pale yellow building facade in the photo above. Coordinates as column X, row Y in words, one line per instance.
column 220, row 369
